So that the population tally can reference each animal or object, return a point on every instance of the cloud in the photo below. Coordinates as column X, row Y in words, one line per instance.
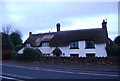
column 16, row 17
column 43, row 16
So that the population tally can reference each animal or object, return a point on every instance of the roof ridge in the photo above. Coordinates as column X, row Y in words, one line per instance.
column 44, row 33
column 83, row 29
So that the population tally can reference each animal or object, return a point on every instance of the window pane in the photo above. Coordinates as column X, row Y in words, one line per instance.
column 74, row 44
column 90, row 44
column 74, row 55
column 45, row 44
column 90, row 55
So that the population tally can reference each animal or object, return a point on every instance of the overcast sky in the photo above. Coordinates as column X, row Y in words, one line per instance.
column 39, row 17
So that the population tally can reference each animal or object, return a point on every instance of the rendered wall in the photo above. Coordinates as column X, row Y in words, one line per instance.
column 66, row 51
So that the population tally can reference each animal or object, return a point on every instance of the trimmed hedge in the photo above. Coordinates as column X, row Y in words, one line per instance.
column 113, row 51
column 29, row 54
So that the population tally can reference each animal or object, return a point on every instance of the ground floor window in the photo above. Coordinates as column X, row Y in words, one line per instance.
column 47, row 54
column 90, row 54
column 74, row 55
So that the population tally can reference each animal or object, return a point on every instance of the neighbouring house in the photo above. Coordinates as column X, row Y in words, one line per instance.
column 71, row 43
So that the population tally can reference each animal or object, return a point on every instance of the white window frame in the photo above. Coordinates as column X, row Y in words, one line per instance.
column 45, row 44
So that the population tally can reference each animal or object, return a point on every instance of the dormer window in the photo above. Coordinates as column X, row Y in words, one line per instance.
column 74, row 45
column 45, row 44
column 89, row 45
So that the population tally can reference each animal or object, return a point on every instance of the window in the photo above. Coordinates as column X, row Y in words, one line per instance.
column 90, row 55
column 45, row 43
column 74, row 55
column 46, row 54
column 74, row 45
column 89, row 44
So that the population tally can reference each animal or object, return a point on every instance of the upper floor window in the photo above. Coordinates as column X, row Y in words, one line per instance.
column 45, row 43
column 89, row 44
column 74, row 45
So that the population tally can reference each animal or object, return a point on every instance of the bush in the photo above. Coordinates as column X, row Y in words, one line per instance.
column 57, row 51
column 29, row 54
column 8, row 54
column 113, row 51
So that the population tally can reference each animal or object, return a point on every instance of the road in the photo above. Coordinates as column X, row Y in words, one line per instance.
column 21, row 73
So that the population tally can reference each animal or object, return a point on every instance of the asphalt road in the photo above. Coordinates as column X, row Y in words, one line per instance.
column 21, row 73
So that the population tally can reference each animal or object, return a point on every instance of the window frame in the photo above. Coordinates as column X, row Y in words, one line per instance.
column 74, row 55
column 47, row 54
column 74, row 45
column 45, row 44
column 89, row 45
column 92, row 55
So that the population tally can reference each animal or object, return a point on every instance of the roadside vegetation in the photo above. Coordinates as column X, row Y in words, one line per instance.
column 29, row 54
column 113, row 47
column 11, row 42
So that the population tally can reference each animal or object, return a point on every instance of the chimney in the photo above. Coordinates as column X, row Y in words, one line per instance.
column 30, row 33
column 58, row 27
column 104, row 24
column 104, row 27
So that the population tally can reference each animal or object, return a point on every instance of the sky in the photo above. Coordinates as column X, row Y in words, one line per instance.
column 42, row 17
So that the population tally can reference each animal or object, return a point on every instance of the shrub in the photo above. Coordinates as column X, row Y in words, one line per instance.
column 29, row 54
column 57, row 51
column 8, row 54
column 113, row 51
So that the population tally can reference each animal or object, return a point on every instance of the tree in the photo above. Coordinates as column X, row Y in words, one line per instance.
column 113, row 49
column 7, row 47
column 117, row 40
column 6, row 29
column 6, row 42
column 16, row 40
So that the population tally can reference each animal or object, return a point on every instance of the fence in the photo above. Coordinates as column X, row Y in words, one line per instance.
column 115, row 61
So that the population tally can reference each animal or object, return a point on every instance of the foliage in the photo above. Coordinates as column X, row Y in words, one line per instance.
column 8, row 54
column 117, row 40
column 18, row 47
column 111, row 43
column 6, row 42
column 113, row 51
column 11, row 43
column 30, row 54
column 16, row 40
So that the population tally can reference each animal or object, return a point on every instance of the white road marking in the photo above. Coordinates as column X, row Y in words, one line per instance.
column 86, row 73
column 10, row 78
column 13, row 75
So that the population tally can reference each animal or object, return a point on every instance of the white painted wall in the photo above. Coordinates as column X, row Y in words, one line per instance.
column 21, row 51
column 99, row 50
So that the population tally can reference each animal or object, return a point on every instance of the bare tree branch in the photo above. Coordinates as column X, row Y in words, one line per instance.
column 6, row 29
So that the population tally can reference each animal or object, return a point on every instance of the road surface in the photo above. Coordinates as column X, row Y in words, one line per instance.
column 22, row 73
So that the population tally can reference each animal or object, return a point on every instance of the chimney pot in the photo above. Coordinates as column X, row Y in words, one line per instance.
column 30, row 33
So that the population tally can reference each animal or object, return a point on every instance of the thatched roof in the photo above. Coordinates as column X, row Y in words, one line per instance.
column 63, row 38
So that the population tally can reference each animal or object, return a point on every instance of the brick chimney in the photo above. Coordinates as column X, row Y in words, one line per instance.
column 58, row 27
column 104, row 26
column 30, row 33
